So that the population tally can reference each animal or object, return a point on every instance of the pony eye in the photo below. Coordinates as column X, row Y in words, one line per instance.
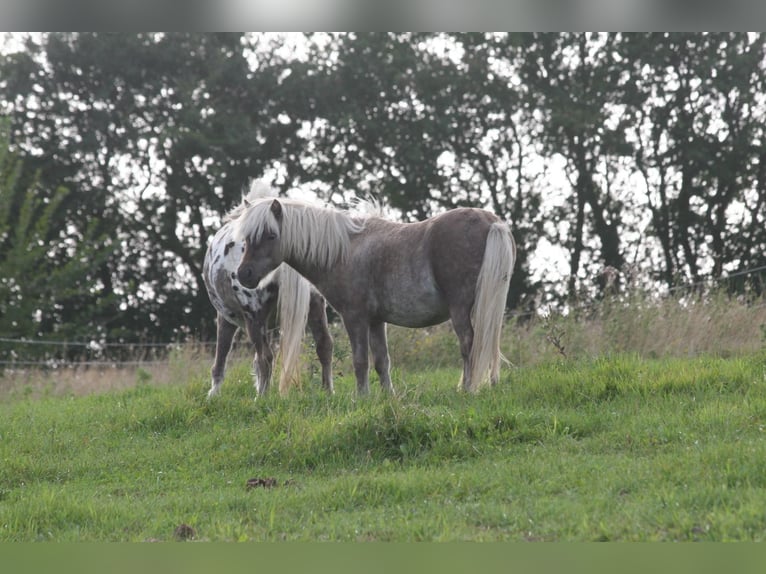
column 271, row 237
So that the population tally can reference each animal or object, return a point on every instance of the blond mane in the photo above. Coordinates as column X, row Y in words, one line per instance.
column 316, row 234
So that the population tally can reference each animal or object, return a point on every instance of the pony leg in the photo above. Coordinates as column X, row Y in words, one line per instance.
column 264, row 356
column 224, row 337
column 317, row 321
column 461, row 322
column 359, row 336
column 380, row 357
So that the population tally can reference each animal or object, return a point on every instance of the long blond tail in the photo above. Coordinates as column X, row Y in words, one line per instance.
column 489, row 305
column 293, row 315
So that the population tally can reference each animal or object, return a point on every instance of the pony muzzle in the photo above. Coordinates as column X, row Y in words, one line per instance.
column 247, row 276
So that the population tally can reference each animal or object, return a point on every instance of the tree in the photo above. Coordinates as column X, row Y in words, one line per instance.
column 699, row 143
column 155, row 136
column 47, row 284
column 574, row 87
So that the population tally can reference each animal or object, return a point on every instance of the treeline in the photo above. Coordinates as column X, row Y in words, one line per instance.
column 120, row 152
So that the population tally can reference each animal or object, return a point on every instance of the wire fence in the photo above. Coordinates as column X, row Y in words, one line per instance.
column 14, row 353
column 94, row 344
column 17, row 353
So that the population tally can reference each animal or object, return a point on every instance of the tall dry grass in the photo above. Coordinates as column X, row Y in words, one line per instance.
column 85, row 378
column 714, row 324
column 640, row 324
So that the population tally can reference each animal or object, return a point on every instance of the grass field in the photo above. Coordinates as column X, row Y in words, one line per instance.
column 611, row 448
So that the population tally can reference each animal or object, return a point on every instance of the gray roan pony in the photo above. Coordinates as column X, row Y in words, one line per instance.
column 252, row 308
column 456, row 265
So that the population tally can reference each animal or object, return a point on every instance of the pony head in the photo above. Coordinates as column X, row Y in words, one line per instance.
column 260, row 227
column 302, row 233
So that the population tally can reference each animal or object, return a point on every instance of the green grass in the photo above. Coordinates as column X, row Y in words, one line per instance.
column 618, row 448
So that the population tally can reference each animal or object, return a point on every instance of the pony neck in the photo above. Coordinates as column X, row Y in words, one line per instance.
column 315, row 239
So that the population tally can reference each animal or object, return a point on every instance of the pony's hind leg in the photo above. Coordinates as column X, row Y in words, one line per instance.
column 380, row 357
column 461, row 322
column 224, row 337
column 319, row 330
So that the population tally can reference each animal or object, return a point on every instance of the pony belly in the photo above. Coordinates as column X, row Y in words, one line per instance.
column 419, row 321
column 417, row 310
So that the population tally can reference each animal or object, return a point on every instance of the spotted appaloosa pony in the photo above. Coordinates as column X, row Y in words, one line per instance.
column 252, row 308
column 456, row 265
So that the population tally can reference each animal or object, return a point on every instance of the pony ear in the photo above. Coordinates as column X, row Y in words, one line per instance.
column 246, row 202
column 276, row 210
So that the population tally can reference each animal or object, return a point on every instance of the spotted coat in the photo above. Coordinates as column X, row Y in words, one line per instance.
column 254, row 311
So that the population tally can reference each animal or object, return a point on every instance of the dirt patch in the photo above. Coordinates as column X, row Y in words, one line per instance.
column 266, row 483
column 184, row 532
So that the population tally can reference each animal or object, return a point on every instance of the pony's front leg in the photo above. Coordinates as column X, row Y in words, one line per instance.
column 264, row 357
column 224, row 337
column 317, row 321
column 262, row 368
column 359, row 336
column 380, row 357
